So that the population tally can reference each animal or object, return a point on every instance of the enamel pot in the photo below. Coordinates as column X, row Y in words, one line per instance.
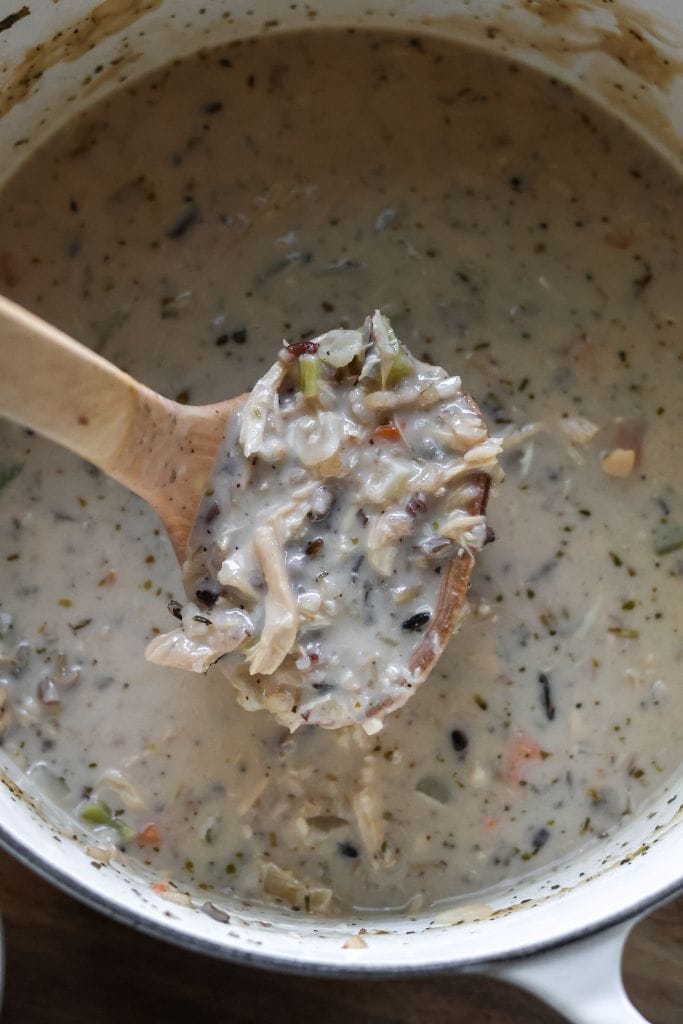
column 558, row 933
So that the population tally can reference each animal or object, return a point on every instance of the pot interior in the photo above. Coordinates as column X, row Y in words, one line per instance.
column 59, row 60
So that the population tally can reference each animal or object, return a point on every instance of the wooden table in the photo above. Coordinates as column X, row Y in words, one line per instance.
column 65, row 963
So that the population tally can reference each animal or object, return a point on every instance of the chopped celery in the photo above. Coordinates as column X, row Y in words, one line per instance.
column 96, row 813
column 99, row 813
column 9, row 472
column 401, row 366
column 308, row 375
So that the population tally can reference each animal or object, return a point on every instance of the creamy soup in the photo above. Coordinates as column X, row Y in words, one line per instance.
column 513, row 234
column 331, row 555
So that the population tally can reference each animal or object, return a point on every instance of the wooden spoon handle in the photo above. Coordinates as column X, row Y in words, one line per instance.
column 62, row 390
column 158, row 448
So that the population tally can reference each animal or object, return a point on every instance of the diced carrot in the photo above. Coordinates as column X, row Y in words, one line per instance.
column 149, row 836
column 387, row 432
column 521, row 752
column 159, row 886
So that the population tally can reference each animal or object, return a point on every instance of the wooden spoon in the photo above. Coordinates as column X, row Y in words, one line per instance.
column 158, row 448
column 162, row 450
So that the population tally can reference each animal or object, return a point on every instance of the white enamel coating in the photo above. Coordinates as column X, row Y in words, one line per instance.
column 582, row 980
column 608, row 884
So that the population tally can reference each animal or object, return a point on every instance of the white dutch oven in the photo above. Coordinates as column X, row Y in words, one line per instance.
column 560, row 933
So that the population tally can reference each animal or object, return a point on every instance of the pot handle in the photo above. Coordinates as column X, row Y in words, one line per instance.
column 581, row 980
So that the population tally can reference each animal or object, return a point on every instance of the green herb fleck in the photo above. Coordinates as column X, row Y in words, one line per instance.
column 9, row 472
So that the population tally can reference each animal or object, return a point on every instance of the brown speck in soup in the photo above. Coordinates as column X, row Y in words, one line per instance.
column 9, row 20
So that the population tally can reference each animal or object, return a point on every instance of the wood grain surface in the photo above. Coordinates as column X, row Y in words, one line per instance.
column 66, row 963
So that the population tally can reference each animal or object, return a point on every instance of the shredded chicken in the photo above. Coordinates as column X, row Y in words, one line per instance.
column 130, row 797
column 260, row 431
column 281, row 610
column 367, row 807
column 198, row 645
column 285, row 886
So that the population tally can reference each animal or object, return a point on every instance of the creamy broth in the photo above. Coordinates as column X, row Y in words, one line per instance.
column 514, row 234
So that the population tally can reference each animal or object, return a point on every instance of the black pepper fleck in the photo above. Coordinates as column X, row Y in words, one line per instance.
column 459, row 740
column 416, row 622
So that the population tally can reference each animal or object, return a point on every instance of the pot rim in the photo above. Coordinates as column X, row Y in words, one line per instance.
column 284, row 964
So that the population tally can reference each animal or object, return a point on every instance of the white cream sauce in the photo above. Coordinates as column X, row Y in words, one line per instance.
column 509, row 230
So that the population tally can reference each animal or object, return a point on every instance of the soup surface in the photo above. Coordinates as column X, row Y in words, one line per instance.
column 513, row 234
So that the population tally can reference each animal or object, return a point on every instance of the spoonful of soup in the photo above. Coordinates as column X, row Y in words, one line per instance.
column 331, row 556
column 326, row 523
